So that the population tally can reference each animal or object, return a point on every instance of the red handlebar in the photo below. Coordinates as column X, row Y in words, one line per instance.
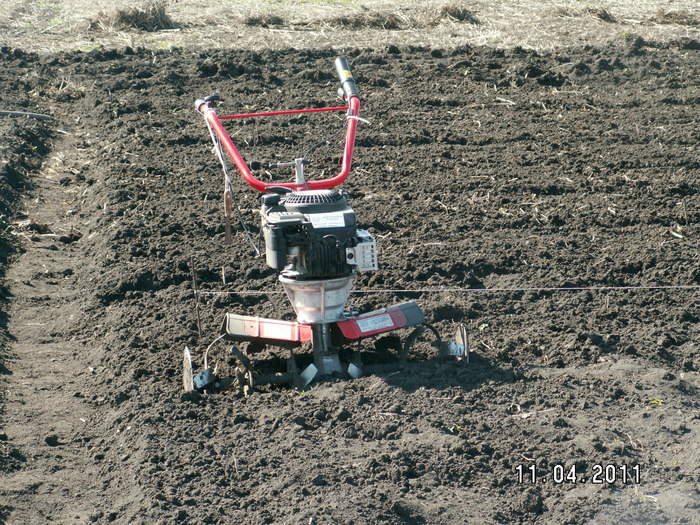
column 353, row 109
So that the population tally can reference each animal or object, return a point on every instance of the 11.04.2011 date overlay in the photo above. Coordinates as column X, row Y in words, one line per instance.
column 599, row 474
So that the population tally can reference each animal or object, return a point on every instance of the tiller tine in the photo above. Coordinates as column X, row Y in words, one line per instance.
column 459, row 348
column 206, row 380
column 187, row 377
column 308, row 375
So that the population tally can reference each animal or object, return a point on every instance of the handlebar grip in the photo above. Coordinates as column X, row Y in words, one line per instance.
column 211, row 98
column 347, row 82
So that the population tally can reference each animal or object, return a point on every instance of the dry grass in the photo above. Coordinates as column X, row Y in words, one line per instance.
column 369, row 19
column 682, row 18
column 147, row 16
column 457, row 12
column 264, row 20
column 256, row 24
column 574, row 12
column 601, row 14
column 402, row 18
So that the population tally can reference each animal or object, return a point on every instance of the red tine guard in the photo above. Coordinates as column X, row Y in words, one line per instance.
column 214, row 121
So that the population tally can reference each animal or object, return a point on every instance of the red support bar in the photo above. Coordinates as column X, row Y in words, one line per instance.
column 347, row 151
column 210, row 116
column 286, row 112
column 215, row 122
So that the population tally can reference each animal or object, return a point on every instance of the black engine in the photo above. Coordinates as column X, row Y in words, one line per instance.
column 313, row 235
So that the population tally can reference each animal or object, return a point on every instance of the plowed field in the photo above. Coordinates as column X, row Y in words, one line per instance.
column 550, row 201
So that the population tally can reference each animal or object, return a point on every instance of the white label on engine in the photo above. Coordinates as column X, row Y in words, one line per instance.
column 327, row 220
column 376, row 322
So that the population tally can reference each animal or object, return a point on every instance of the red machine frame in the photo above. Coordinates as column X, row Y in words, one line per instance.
column 291, row 334
column 353, row 111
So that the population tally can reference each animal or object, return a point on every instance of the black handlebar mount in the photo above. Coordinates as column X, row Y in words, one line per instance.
column 211, row 98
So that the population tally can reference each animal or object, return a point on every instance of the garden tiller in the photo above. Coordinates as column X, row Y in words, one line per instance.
column 312, row 239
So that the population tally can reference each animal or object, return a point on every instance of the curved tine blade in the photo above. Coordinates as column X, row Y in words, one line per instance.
column 242, row 358
column 187, row 376
column 462, row 338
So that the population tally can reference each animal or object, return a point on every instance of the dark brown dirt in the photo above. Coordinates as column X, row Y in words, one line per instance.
column 22, row 149
column 482, row 170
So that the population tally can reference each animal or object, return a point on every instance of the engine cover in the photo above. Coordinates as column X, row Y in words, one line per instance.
column 313, row 235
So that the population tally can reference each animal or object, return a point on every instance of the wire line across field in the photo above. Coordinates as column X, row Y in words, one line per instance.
column 481, row 290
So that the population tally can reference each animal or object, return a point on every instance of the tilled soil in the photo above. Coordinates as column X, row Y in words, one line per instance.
column 525, row 184
column 22, row 149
